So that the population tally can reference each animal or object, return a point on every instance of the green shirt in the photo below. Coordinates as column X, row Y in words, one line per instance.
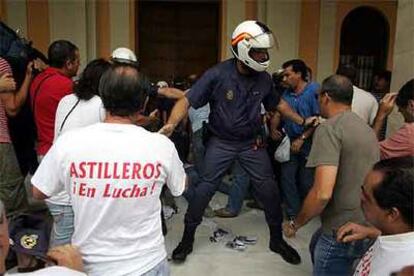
column 347, row 142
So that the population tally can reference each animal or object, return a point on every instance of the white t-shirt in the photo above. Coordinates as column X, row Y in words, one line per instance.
column 114, row 174
column 48, row 271
column 388, row 254
column 364, row 105
column 85, row 113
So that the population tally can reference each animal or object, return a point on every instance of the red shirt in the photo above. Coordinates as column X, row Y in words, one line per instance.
column 401, row 143
column 45, row 103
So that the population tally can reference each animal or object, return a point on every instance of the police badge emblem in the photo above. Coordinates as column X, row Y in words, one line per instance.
column 230, row 95
column 29, row 241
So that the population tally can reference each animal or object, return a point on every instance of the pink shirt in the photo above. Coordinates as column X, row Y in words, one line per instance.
column 399, row 144
column 4, row 129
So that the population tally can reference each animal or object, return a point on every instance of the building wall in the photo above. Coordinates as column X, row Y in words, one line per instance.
column 307, row 29
column 403, row 65
column 326, row 39
column 16, row 15
column 283, row 18
column 234, row 14
column 64, row 25
column 119, row 29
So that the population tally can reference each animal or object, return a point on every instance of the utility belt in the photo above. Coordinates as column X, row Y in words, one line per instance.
column 259, row 140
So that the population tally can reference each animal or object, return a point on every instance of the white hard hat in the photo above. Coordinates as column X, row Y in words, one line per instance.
column 162, row 84
column 124, row 55
column 249, row 35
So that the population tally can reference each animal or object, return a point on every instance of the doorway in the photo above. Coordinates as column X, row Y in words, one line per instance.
column 364, row 43
column 177, row 38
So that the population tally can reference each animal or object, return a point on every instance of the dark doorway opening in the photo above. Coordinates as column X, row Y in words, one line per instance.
column 177, row 38
column 364, row 43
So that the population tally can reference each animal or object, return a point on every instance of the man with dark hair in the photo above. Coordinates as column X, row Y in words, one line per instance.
column 387, row 202
column 62, row 51
column 49, row 87
column 343, row 151
column 302, row 97
column 381, row 85
column 363, row 103
column 380, row 88
column 114, row 172
column 46, row 90
column 401, row 143
column 297, row 66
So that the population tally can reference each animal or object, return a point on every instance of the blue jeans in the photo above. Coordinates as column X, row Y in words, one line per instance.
column 330, row 257
column 238, row 189
column 295, row 182
column 63, row 224
column 161, row 269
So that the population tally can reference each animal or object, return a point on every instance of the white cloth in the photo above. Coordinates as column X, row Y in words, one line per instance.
column 114, row 174
column 198, row 116
column 388, row 254
column 364, row 105
column 85, row 113
column 48, row 271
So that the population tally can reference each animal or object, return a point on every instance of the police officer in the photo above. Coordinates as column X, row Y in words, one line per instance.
column 235, row 89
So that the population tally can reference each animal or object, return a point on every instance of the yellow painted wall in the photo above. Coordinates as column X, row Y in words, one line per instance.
column 77, row 21
column 283, row 18
column 326, row 39
column 234, row 14
column 403, row 59
column 119, row 16
column 16, row 15
column 68, row 21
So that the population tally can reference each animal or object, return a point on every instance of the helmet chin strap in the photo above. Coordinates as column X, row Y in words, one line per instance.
column 246, row 69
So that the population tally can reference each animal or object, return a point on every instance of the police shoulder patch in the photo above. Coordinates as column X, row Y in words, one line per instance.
column 230, row 95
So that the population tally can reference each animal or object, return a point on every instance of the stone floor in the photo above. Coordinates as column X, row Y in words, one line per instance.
column 215, row 259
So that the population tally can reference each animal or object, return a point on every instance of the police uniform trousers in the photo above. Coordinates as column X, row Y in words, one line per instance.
column 220, row 155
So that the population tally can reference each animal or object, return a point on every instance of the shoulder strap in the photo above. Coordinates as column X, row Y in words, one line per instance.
column 37, row 92
column 67, row 115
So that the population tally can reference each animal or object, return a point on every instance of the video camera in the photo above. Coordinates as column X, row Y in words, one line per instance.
column 17, row 51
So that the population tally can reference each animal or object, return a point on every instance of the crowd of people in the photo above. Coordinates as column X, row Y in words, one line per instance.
column 113, row 147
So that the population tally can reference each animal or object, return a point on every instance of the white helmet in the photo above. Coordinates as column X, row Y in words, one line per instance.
column 249, row 35
column 124, row 55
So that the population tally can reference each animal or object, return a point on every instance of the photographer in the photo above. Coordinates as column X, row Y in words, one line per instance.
column 12, row 191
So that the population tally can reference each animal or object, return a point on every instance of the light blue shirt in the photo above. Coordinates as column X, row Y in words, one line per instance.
column 198, row 116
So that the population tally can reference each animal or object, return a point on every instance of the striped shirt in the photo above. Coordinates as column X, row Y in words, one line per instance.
column 4, row 129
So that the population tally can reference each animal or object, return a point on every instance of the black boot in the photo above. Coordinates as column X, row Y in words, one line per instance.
column 180, row 253
column 185, row 247
column 288, row 253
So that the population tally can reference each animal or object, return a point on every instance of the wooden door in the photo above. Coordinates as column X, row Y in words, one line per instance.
column 176, row 39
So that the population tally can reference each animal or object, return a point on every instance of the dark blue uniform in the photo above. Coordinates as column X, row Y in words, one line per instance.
column 235, row 121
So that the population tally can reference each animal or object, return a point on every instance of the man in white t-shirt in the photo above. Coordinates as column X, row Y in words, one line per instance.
column 387, row 201
column 114, row 172
column 364, row 103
